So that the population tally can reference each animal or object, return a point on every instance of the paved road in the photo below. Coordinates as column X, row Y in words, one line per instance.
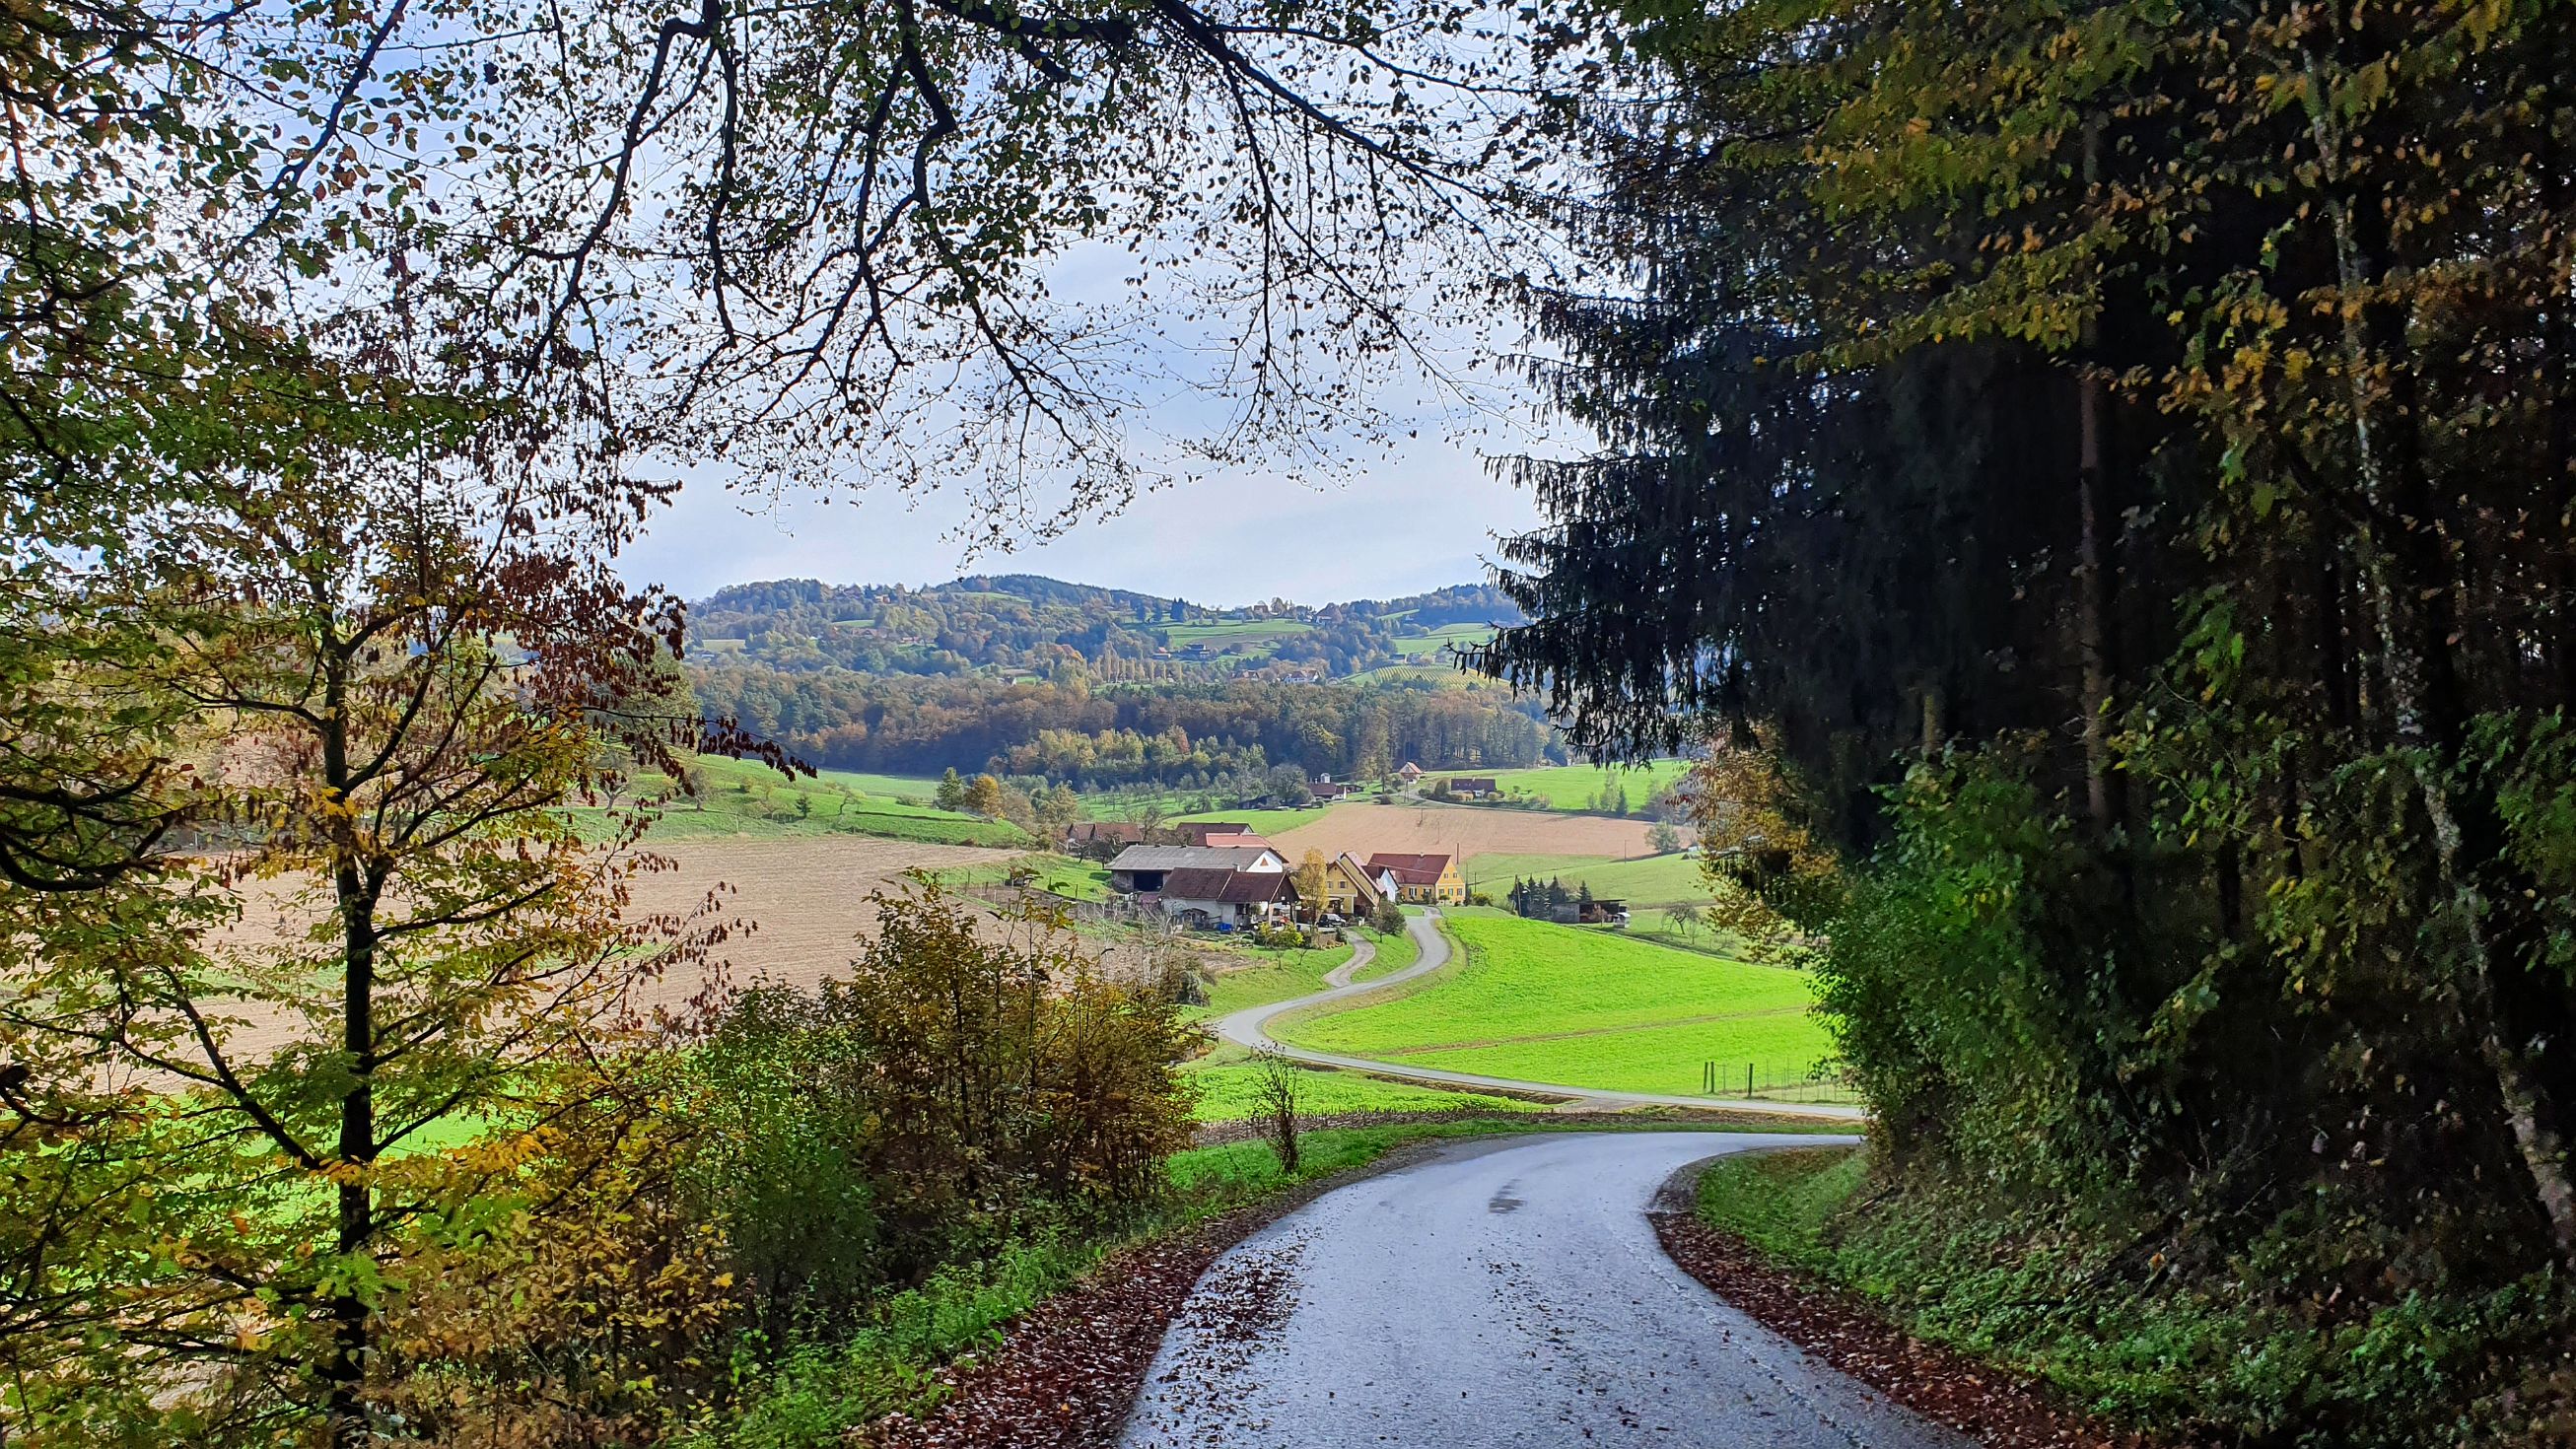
column 1247, row 1028
column 1506, row 1293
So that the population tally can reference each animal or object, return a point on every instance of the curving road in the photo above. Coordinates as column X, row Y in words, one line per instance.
column 1506, row 1293
column 1248, row 1028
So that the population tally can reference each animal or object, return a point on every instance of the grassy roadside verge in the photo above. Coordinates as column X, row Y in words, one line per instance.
column 898, row 1361
column 1291, row 1026
column 2054, row 1296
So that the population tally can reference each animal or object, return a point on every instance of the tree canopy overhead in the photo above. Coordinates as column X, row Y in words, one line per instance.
column 906, row 241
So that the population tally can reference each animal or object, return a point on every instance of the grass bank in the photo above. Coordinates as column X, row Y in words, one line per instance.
column 1587, row 1008
column 2199, row 1352
column 1643, row 882
column 1224, row 1086
column 742, row 799
column 1224, row 1081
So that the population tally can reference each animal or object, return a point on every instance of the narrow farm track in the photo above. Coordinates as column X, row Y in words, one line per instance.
column 1248, row 1028
column 1499, row 1293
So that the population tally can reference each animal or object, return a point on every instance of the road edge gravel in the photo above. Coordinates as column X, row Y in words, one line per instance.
column 1989, row 1404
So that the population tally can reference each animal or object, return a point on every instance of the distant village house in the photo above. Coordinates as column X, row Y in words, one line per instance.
column 1241, row 898
column 1427, row 880
column 1142, row 869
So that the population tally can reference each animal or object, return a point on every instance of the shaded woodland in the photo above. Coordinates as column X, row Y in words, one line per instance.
column 2113, row 461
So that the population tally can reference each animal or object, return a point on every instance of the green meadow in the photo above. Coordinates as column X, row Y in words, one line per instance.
column 1588, row 1008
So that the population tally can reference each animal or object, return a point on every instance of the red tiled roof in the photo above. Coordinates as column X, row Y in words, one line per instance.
column 1412, row 870
column 1123, row 831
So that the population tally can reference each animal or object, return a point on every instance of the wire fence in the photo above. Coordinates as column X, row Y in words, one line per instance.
column 1824, row 1082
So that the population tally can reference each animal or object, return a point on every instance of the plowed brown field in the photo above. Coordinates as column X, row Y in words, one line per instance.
column 1465, row 830
column 807, row 900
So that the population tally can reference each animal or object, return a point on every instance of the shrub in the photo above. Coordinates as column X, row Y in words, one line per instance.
column 834, row 1168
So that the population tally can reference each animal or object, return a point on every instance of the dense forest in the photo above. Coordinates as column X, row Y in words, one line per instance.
column 1078, row 733
column 2106, row 469
column 1024, row 624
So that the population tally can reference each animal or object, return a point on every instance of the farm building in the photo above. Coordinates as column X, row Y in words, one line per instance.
column 1196, row 832
column 1142, row 868
column 1351, row 889
column 1430, row 880
column 1410, row 773
column 1204, row 897
column 1327, row 790
column 1474, row 787
column 1083, row 833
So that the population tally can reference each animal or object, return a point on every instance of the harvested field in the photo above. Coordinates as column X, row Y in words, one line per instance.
column 1467, row 829
column 808, row 898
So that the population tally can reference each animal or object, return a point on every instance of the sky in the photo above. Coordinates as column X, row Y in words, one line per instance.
column 1425, row 518
column 1410, row 506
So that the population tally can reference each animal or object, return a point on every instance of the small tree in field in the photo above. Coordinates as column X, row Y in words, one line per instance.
column 1663, row 839
column 1387, row 919
column 984, row 796
column 1685, row 920
column 1278, row 1088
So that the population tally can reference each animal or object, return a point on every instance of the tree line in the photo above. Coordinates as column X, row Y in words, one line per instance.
column 1184, row 735
column 2104, row 470
column 1020, row 623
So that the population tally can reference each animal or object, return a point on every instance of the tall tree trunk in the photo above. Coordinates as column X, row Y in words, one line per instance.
column 2410, row 675
column 356, row 892
column 2095, row 630
column 2558, row 372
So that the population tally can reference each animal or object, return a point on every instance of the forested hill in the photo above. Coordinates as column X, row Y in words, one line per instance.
column 1184, row 735
column 1026, row 625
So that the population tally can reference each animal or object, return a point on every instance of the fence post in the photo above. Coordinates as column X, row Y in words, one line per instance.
column 1748, row 1079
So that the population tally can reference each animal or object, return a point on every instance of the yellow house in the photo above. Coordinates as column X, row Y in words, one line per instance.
column 1352, row 890
column 1427, row 880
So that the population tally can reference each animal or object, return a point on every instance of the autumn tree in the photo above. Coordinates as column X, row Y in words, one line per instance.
column 1312, row 875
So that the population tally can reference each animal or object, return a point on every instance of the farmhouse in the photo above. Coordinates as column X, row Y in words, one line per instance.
column 1410, row 773
column 1351, row 889
column 1431, row 880
column 1327, row 790
column 1083, row 833
column 1142, row 868
column 1196, row 832
column 1204, row 897
column 1474, row 787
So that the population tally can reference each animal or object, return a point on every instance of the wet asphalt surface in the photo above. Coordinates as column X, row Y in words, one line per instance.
column 1500, row 1293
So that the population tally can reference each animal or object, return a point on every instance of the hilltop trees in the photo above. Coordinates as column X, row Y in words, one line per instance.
column 1226, row 737
column 2117, row 460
